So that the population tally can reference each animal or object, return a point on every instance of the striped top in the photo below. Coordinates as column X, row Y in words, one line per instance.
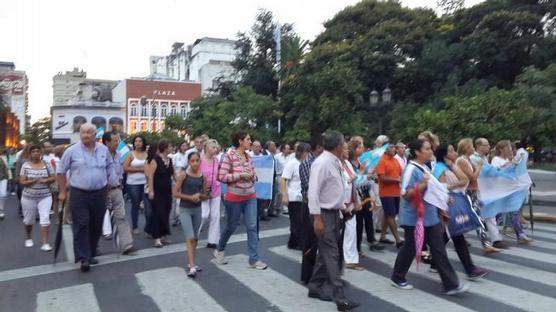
column 37, row 190
column 232, row 166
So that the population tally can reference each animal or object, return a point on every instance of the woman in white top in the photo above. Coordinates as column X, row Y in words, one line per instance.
column 351, row 202
column 291, row 190
column 134, row 167
column 502, row 159
column 35, row 178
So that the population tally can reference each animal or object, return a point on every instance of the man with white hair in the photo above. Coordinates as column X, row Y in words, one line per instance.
column 91, row 168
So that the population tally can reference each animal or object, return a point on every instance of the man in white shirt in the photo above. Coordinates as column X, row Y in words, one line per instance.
column 400, row 154
column 326, row 198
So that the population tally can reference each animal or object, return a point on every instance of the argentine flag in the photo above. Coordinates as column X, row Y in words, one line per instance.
column 371, row 158
column 264, row 168
column 503, row 190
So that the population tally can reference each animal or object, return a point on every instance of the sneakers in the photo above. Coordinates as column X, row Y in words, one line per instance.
column 136, row 231
column 259, row 265
column 46, row 247
column 500, row 245
column 29, row 243
column 459, row 290
column 433, row 270
column 158, row 243
column 490, row 249
column 192, row 273
column 477, row 274
column 2, row 215
column 219, row 257
column 402, row 285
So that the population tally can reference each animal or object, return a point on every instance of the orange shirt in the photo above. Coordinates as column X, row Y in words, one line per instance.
column 390, row 167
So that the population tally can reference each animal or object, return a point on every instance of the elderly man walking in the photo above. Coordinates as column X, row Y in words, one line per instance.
column 326, row 199
column 90, row 167
column 116, row 201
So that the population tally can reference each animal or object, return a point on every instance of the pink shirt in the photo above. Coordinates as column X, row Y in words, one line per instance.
column 210, row 172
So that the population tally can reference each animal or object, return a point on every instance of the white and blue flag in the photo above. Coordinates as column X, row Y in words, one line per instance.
column 371, row 158
column 264, row 168
column 503, row 190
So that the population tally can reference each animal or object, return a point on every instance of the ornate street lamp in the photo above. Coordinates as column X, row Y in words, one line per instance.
column 380, row 102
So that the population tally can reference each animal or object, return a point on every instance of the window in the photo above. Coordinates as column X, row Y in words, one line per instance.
column 153, row 126
column 77, row 122
column 116, row 124
column 173, row 110
column 154, row 112
column 143, row 110
column 133, row 126
column 143, row 126
column 99, row 122
column 133, row 112
column 183, row 110
column 163, row 110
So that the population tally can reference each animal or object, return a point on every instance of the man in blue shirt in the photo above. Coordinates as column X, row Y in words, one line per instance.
column 90, row 168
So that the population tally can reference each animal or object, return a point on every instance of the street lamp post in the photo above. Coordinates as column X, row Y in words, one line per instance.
column 378, row 102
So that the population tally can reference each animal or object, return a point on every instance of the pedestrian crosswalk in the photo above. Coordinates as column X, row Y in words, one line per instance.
column 511, row 286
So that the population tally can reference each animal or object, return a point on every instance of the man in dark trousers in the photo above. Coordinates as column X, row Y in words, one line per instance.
column 326, row 199
column 90, row 167
column 308, row 239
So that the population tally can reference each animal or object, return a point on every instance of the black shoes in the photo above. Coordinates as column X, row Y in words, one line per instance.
column 375, row 246
column 346, row 305
column 85, row 266
column 315, row 295
column 93, row 261
column 211, row 246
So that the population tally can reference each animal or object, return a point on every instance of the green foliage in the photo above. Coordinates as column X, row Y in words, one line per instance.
column 39, row 132
column 153, row 137
column 244, row 109
column 175, row 122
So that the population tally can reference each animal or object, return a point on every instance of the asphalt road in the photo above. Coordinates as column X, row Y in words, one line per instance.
column 522, row 278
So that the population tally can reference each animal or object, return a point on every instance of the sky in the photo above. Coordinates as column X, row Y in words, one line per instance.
column 113, row 39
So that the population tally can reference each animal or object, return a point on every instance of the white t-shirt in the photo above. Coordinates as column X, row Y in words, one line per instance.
column 280, row 162
column 498, row 162
column 291, row 173
column 179, row 161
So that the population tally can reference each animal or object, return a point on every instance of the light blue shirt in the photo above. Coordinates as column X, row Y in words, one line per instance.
column 408, row 213
column 88, row 171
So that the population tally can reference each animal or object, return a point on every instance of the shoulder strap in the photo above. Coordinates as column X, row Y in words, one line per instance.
column 46, row 167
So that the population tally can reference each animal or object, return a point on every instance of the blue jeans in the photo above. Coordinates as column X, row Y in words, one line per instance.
column 233, row 215
column 137, row 194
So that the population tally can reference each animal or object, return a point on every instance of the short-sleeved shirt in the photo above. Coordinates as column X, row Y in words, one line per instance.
column 37, row 190
column 88, row 170
column 390, row 167
column 291, row 173
column 408, row 213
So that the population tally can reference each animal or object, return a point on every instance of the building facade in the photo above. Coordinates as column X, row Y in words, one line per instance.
column 13, row 89
column 77, row 100
column 205, row 61
column 9, row 128
column 148, row 102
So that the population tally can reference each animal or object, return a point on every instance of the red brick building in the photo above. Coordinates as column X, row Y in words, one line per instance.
column 149, row 102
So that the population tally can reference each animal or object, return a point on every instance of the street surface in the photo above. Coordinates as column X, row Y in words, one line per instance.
column 522, row 278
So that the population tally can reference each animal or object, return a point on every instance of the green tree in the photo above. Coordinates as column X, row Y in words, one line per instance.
column 243, row 109
column 39, row 132
column 175, row 122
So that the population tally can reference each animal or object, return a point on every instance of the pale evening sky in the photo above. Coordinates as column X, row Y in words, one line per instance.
column 113, row 39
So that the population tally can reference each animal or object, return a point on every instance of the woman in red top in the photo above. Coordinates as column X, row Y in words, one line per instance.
column 238, row 172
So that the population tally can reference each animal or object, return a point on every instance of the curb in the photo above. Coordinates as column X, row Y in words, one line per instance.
column 541, row 217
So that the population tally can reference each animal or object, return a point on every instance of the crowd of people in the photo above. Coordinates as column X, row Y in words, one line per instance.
column 332, row 195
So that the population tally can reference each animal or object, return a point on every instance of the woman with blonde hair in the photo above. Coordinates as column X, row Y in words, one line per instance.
column 503, row 159
column 211, row 207
column 465, row 150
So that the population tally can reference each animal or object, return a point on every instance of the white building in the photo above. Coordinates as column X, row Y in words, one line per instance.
column 66, row 119
column 65, row 85
column 205, row 61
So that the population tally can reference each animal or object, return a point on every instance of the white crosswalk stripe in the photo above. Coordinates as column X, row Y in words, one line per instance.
column 513, row 243
column 513, row 296
column 81, row 297
column 180, row 291
column 377, row 285
column 276, row 288
column 171, row 290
